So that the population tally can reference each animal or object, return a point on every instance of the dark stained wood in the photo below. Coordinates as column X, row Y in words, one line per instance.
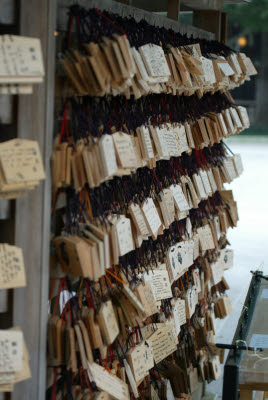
column 224, row 27
column 209, row 20
column 173, row 9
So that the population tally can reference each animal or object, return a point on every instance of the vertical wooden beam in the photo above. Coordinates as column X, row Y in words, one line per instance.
column 209, row 20
column 32, row 217
column 224, row 27
column 173, row 9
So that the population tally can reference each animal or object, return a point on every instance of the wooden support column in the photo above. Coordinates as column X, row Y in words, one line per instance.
column 209, row 20
column 173, row 9
column 32, row 216
column 224, row 27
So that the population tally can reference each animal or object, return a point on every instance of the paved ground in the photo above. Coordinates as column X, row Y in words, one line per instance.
column 250, row 239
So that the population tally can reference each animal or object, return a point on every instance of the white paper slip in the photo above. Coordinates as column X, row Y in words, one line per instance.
column 21, row 161
column 108, row 156
column 108, row 382
column 151, row 216
column 163, row 343
column 124, row 235
column 154, row 59
column 258, row 340
column 179, row 198
column 10, row 350
column 21, row 59
column 160, row 283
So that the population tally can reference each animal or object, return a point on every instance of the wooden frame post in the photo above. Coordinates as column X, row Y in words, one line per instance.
column 173, row 9
column 32, row 216
column 209, row 20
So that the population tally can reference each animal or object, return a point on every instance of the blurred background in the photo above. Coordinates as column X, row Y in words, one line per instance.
column 248, row 32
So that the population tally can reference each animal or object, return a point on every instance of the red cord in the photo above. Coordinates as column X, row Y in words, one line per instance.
column 111, row 22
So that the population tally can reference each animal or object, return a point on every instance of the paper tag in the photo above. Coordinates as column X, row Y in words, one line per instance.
column 146, row 141
column 204, row 177
column 235, row 117
column 238, row 164
column 174, row 261
column 124, row 235
column 212, row 181
column 236, row 63
column 146, row 296
column 11, row 348
column 191, row 301
column 225, row 131
column 160, row 283
column 216, row 367
column 229, row 166
column 151, row 216
column 131, row 379
column 163, row 343
column 148, row 355
column 216, row 272
column 229, row 121
column 197, row 281
column 244, row 116
column 138, row 219
column 21, row 161
column 189, row 227
column 227, row 258
column 171, row 322
column 226, row 68
column 136, row 359
column 108, row 156
column 12, row 272
column 181, row 136
column 167, row 198
column 161, row 144
column 209, row 74
column 206, row 238
column 171, row 143
column 108, row 382
column 179, row 313
column 20, row 57
column 155, row 60
column 108, row 323
column 199, row 187
column 124, row 149
column 179, row 198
